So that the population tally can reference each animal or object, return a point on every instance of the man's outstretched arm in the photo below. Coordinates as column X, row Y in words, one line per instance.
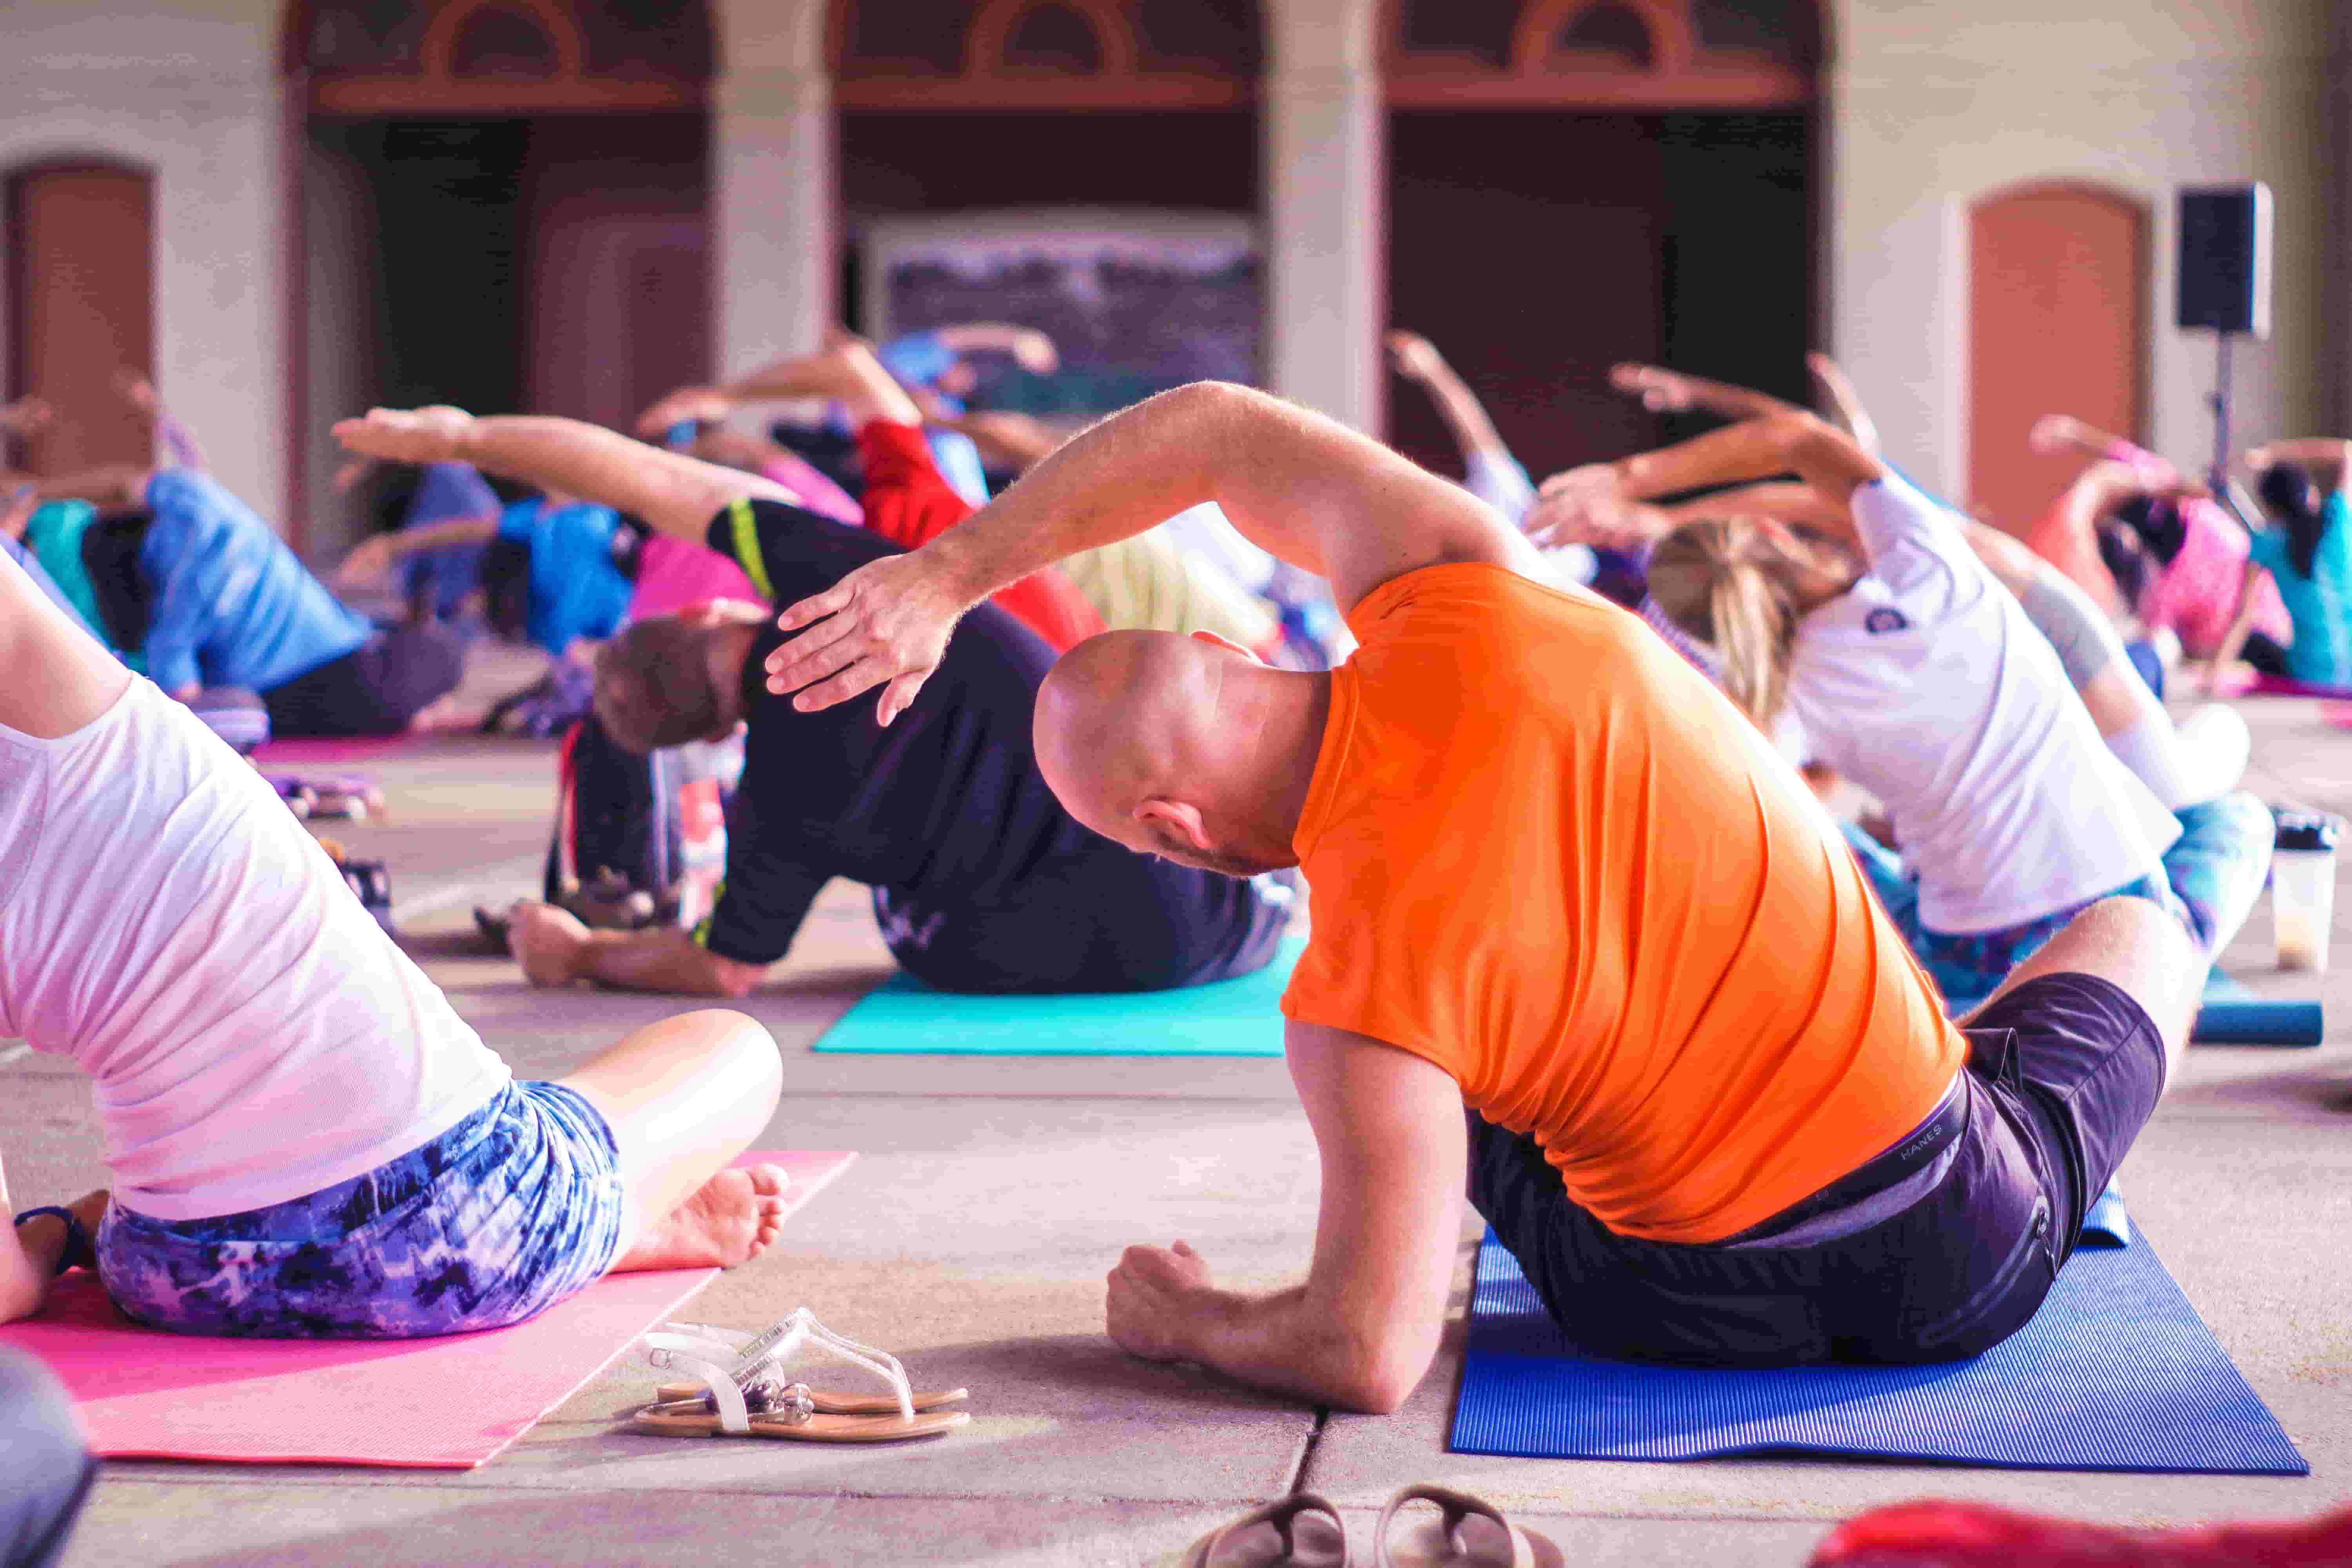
column 1363, row 1329
column 1301, row 486
column 671, row 492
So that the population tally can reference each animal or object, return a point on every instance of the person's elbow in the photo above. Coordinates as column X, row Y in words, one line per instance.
column 729, row 978
column 1376, row 1376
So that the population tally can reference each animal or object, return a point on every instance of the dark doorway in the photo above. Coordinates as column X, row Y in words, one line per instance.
column 1538, row 247
column 555, row 264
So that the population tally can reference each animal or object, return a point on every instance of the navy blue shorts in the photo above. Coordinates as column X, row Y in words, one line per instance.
column 2063, row 1071
column 509, row 1212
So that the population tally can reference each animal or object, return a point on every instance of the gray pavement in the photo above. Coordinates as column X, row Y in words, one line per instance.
column 972, row 1235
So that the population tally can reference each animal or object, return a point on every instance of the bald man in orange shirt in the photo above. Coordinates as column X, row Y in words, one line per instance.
column 1581, row 943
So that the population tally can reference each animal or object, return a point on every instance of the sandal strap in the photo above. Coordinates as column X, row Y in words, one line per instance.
column 1283, row 1514
column 699, row 1348
column 1457, row 1507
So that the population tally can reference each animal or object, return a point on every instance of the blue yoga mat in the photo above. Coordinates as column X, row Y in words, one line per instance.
column 1226, row 1019
column 2233, row 1016
column 2116, row 1372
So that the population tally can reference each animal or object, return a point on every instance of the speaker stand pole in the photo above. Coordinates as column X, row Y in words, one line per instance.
column 2217, row 478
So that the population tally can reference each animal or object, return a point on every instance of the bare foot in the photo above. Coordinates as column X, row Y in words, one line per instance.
column 732, row 1220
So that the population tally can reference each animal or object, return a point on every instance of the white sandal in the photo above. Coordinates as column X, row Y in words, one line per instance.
column 741, row 1393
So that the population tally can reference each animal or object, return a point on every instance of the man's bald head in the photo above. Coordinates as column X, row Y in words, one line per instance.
column 1153, row 740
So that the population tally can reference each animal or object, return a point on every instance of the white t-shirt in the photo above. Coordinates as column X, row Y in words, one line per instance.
column 252, row 1035
column 1928, row 687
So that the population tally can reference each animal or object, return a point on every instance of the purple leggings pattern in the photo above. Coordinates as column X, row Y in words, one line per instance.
column 509, row 1212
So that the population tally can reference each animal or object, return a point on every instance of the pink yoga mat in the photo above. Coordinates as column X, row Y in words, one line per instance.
column 2284, row 686
column 314, row 753
column 446, row 1403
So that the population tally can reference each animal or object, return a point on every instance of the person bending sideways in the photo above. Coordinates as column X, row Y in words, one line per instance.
column 1696, row 1082
column 305, row 1139
column 2196, row 550
column 2306, row 488
column 201, row 591
column 982, row 881
column 1966, row 710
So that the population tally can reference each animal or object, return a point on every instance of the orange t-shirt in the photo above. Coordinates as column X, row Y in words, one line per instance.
column 1548, row 856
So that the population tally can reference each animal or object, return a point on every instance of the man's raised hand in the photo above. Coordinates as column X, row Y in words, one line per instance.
column 431, row 434
column 885, row 623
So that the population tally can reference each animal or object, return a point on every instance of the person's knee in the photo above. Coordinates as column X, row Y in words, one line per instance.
column 748, row 1054
column 43, row 1457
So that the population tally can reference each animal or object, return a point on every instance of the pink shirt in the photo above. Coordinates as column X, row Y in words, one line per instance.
column 2197, row 594
column 672, row 575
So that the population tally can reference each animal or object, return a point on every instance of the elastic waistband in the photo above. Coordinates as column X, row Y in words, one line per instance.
column 1911, row 1153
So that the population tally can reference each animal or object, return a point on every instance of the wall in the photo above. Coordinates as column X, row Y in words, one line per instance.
column 1935, row 104
column 187, row 89
column 341, row 302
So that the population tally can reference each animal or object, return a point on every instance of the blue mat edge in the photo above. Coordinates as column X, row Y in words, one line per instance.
column 2301, row 1467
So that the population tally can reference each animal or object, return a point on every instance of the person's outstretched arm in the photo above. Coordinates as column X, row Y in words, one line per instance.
column 60, row 676
column 1417, row 359
column 865, row 396
column 1783, row 500
column 1663, row 391
column 1844, row 403
column 1490, row 471
column 1300, row 485
column 2328, row 458
column 1361, row 1331
column 379, row 553
column 1033, row 351
column 180, row 443
column 674, row 493
column 1830, row 462
column 109, row 485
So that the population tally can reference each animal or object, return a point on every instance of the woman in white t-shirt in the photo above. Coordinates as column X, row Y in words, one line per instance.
column 306, row 1141
column 1916, row 673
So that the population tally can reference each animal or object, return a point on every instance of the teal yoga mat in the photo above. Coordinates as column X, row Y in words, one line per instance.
column 903, row 1016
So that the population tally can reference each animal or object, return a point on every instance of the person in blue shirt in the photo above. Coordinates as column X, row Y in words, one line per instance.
column 2306, row 488
column 205, row 594
column 559, row 572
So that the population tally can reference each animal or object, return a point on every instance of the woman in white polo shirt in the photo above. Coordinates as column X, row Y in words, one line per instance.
column 306, row 1141
column 1916, row 674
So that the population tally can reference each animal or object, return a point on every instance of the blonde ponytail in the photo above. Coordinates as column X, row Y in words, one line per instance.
column 1730, row 585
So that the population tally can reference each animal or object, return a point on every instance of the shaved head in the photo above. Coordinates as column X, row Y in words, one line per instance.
column 1156, row 740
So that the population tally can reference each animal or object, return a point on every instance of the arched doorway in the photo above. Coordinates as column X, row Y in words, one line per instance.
column 82, row 306
column 1133, row 117
column 504, row 204
column 2057, row 324
column 1637, row 180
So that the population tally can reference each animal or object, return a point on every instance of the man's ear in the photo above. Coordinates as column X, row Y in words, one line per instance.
column 1180, row 818
column 1214, row 640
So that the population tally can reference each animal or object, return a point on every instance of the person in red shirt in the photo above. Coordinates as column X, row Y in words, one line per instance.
column 906, row 502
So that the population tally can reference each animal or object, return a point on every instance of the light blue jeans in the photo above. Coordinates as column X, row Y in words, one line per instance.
column 2213, row 873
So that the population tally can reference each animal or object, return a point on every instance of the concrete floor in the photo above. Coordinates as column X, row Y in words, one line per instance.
column 973, row 1236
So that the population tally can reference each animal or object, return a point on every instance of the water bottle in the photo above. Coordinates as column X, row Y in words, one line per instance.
column 2303, row 888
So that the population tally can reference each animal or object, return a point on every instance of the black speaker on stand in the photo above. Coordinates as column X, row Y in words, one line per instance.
column 2225, row 285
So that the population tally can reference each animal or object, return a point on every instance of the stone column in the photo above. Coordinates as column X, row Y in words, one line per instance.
column 772, row 216
column 1326, row 226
